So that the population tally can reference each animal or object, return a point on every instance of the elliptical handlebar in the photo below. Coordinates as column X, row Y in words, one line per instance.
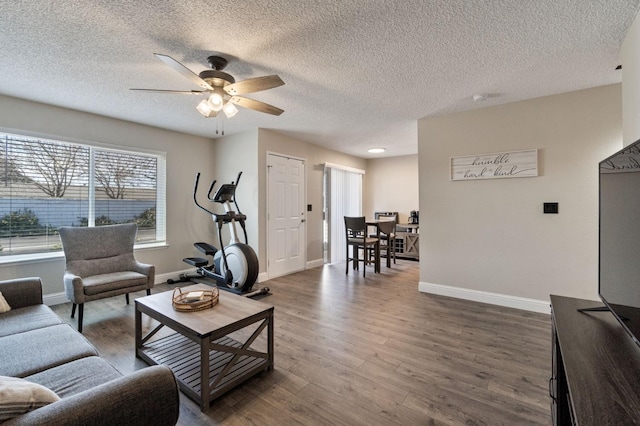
column 226, row 193
column 211, row 189
column 195, row 194
column 236, row 202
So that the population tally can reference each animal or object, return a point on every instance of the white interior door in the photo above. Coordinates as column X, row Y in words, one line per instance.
column 286, row 239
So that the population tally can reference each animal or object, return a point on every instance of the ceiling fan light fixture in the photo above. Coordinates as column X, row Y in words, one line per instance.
column 215, row 102
column 229, row 109
column 205, row 109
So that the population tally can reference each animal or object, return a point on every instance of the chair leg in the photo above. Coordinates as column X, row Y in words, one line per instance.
column 388, row 248
column 126, row 296
column 346, row 270
column 80, row 316
column 73, row 310
column 394, row 250
column 148, row 292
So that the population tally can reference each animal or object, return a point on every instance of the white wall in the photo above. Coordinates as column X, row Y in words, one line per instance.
column 391, row 185
column 630, row 56
column 489, row 240
column 185, row 155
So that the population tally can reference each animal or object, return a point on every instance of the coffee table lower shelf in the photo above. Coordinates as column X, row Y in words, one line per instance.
column 182, row 355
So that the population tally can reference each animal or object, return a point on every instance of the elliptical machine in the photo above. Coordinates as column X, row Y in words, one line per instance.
column 235, row 266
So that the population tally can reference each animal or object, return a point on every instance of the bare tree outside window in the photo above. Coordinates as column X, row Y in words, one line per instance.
column 52, row 168
column 116, row 172
column 9, row 171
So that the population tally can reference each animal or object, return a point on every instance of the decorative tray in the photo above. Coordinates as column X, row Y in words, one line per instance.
column 194, row 300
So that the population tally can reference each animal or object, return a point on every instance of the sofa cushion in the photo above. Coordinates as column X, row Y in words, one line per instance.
column 27, row 353
column 76, row 376
column 103, row 283
column 27, row 318
column 18, row 396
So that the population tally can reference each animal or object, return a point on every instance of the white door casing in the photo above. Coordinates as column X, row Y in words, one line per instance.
column 286, row 220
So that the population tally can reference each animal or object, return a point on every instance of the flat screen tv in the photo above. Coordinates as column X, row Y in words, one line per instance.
column 619, row 257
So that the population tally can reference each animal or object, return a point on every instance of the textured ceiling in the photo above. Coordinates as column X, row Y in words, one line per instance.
column 358, row 73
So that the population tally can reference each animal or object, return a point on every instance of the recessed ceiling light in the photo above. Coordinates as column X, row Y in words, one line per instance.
column 376, row 150
column 479, row 98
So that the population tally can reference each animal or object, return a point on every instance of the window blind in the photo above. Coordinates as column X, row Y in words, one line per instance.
column 345, row 187
column 45, row 184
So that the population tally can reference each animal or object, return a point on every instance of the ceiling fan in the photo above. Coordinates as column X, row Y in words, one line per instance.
column 221, row 89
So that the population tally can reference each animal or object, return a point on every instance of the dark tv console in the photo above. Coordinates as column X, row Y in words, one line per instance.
column 595, row 377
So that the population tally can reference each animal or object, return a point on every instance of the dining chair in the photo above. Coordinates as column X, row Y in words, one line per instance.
column 356, row 238
column 388, row 240
column 387, row 235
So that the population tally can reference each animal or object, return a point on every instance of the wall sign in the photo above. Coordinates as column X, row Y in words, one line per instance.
column 498, row 165
column 623, row 162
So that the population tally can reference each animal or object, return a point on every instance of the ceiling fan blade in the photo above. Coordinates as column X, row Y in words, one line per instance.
column 179, row 92
column 255, row 105
column 186, row 72
column 254, row 85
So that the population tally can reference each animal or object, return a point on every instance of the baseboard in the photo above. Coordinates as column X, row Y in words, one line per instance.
column 314, row 263
column 533, row 305
column 262, row 277
column 55, row 298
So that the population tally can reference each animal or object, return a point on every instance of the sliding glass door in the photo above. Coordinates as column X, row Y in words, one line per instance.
column 343, row 197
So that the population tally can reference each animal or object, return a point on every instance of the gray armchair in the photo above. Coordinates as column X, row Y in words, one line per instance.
column 100, row 264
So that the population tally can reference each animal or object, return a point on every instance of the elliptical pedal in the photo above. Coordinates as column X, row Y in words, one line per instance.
column 198, row 262
column 206, row 248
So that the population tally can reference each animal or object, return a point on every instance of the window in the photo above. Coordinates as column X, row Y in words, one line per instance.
column 46, row 184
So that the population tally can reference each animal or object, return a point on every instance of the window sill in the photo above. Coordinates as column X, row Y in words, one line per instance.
column 53, row 256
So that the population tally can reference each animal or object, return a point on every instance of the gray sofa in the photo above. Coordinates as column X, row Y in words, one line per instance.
column 36, row 345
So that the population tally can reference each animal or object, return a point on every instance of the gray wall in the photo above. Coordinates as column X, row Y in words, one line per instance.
column 490, row 236
column 391, row 184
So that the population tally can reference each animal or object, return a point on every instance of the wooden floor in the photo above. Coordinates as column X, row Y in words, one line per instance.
column 369, row 351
